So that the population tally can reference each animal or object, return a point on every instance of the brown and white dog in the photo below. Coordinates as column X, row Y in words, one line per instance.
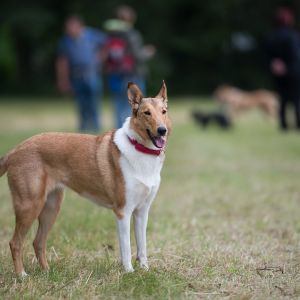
column 238, row 100
column 118, row 170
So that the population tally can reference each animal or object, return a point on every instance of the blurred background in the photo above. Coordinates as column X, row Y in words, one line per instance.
column 226, row 219
column 200, row 44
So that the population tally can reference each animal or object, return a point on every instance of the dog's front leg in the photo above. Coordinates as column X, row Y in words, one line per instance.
column 140, row 227
column 124, row 240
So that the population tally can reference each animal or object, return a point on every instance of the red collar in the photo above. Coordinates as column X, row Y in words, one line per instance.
column 141, row 148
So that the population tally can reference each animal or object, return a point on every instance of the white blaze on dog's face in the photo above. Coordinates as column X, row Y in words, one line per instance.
column 150, row 115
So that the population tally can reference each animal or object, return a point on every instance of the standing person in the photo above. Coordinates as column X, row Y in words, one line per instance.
column 77, row 68
column 284, row 52
column 125, row 59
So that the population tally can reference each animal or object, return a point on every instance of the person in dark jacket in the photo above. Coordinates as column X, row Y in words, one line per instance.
column 283, row 48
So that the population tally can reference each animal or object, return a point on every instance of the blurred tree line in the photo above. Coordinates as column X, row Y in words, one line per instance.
column 200, row 43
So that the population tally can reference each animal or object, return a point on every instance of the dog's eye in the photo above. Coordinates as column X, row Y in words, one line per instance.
column 148, row 113
column 164, row 111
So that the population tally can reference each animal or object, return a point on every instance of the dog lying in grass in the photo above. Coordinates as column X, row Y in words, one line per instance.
column 237, row 100
column 208, row 118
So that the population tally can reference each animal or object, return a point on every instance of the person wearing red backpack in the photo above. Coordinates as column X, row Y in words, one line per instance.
column 125, row 59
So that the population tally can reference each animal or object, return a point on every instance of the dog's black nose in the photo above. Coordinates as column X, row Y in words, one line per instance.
column 161, row 130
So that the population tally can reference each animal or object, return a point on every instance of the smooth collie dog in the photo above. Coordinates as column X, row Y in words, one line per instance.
column 119, row 170
column 238, row 100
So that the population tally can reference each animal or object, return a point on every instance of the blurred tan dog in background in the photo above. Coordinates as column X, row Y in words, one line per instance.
column 237, row 100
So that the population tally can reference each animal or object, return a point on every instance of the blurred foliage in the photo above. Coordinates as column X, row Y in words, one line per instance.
column 193, row 38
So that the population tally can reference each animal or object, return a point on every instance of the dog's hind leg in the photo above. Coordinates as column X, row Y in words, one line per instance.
column 25, row 215
column 28, row 193
column 47, row 218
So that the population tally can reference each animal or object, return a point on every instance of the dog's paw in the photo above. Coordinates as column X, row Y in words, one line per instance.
column 143, row 263
column 128, row 269
column 22, row 275
column 144, row 266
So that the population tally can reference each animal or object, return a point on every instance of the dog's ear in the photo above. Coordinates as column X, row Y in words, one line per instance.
column 135, row 95
column 163, row 92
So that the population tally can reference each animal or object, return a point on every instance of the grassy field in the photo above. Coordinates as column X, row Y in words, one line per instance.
column 225, row 224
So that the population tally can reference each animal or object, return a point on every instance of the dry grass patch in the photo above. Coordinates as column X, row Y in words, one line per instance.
column 225, row 223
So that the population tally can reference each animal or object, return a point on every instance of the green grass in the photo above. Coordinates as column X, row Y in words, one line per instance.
column 225, row 224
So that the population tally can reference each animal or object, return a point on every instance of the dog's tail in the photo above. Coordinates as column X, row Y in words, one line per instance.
column 3, row 165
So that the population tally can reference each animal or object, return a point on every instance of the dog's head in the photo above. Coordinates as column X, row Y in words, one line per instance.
column 150, row 115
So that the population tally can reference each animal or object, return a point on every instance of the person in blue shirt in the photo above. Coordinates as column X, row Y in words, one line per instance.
column 78, row 69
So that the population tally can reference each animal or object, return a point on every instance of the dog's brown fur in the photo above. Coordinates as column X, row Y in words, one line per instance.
column 237, row 100
column 40, row 167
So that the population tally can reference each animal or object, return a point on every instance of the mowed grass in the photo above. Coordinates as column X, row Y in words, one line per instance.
column 225, row 223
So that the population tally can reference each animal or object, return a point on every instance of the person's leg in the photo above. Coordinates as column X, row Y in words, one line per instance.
column 123, row 107
column 119, row 92
column 93, row 106
column 296, row 101
column 296, row 104
column 80, row 98
column 122, row 112
column 282, row 114
column 141, row 82
column 283, row 90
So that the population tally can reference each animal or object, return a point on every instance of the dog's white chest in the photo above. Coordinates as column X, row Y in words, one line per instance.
column 141, row 181
column 145, row 169
column 141, row 171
